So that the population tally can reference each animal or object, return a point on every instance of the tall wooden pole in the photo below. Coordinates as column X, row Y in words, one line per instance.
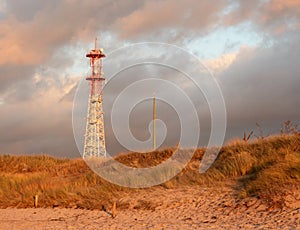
column 154, row 123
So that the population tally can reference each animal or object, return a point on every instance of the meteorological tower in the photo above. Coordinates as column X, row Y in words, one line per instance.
column 94, row 143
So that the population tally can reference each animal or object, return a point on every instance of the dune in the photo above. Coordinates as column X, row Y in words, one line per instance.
column 251, row 185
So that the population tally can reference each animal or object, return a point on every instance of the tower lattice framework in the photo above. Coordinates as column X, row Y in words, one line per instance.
column 94, row 144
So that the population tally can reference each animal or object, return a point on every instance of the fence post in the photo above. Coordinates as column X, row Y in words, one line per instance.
column 114, row 210
column 36, row 198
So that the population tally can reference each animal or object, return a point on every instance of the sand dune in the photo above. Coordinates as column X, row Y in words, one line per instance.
column 251, row 185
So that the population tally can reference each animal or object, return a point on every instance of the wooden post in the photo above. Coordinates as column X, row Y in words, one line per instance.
column 114, row 210
column 245, row 138
column 36, row 198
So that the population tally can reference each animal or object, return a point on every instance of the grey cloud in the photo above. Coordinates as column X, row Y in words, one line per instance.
column 55, row 24
column 272, row 17
column 163, row 16
column 42, row 124
column 263, row 86
column 11, row 74
column 25, row 10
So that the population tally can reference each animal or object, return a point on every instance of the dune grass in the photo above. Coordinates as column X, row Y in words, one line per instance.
column 265, row 168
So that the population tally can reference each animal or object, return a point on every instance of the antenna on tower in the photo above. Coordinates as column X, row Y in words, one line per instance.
column 96, row 41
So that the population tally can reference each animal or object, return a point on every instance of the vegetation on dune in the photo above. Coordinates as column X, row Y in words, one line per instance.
column 58, row 182
column 265, row 168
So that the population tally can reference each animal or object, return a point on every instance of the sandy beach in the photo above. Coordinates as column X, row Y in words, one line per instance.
column 158, row 208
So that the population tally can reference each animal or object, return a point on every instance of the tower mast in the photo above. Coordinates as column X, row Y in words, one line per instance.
column 94, row 143
column 154, row 122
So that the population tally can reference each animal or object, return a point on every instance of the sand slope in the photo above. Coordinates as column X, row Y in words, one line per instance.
column 181, row 208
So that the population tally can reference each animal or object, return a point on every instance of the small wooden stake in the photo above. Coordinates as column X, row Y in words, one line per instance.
column 36, row 198
column 114, row 210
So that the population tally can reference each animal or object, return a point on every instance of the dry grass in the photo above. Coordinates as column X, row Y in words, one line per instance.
column 266, row 168
column 58, row 182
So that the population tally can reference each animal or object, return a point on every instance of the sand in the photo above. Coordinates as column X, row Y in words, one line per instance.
column 158, row 208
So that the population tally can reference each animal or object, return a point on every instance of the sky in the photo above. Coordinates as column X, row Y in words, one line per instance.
column 251, row 47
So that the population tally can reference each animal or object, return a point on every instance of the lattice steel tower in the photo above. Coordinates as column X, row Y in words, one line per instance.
column 94, row 144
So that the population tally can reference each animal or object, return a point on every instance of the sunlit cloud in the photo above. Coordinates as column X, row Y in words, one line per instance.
column 222, row 63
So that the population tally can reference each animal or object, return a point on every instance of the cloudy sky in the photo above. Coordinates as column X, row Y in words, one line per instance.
column 251, row 47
